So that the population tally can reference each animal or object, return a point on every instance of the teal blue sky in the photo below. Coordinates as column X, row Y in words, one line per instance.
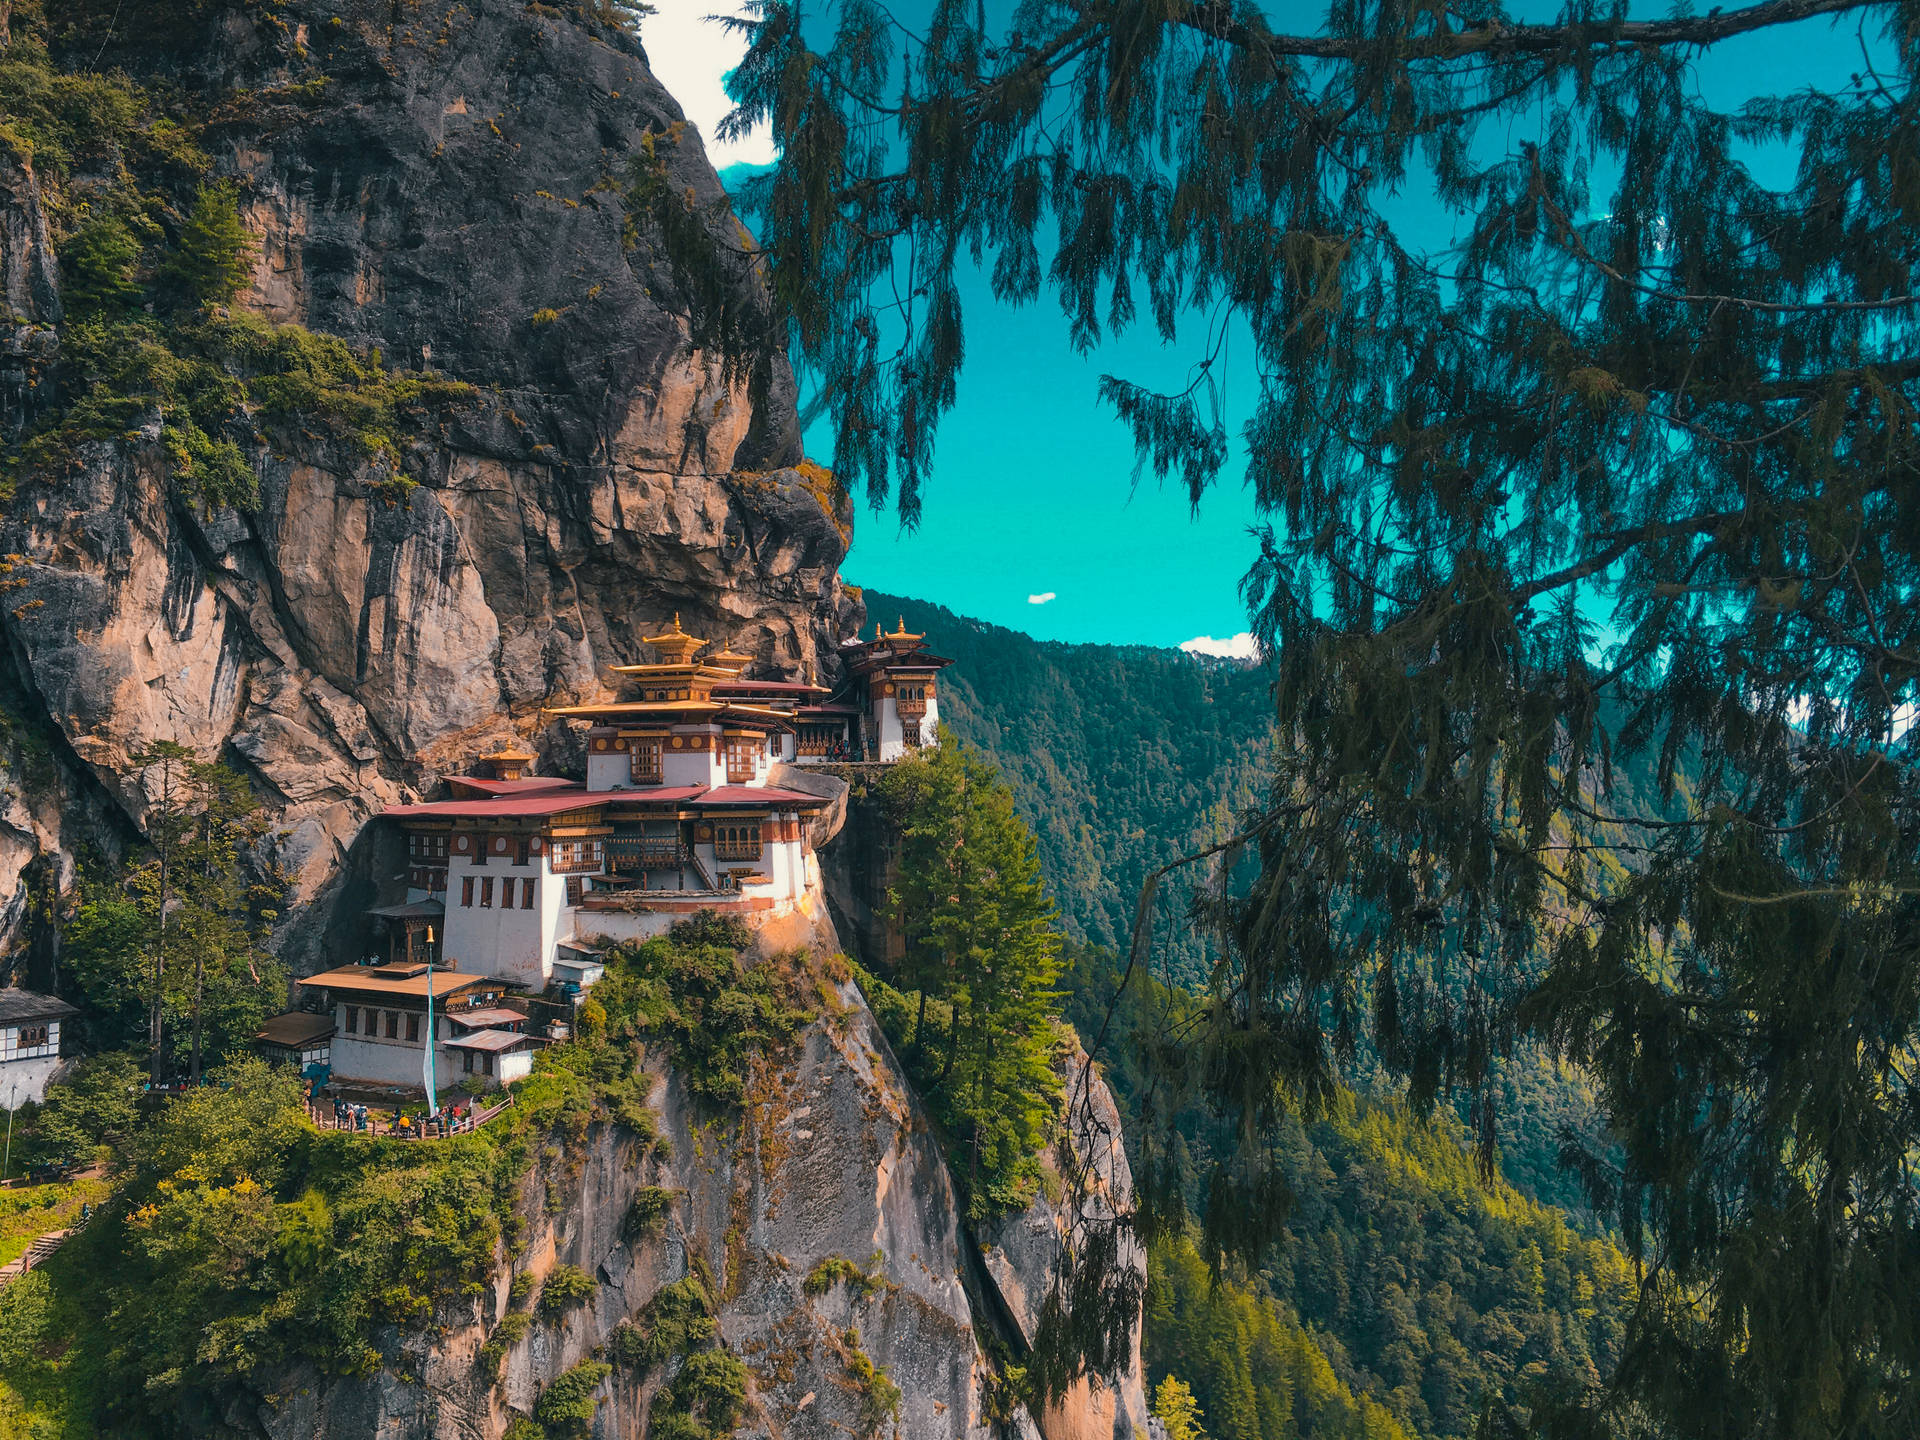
column 1032, row 491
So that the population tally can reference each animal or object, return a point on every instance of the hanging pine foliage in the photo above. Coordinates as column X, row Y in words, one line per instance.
column 1592, row 572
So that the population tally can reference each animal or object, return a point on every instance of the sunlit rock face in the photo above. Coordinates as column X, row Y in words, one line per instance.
column 832, row 1159
column 454, row 197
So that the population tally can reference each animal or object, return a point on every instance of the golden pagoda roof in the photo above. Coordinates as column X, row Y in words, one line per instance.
column 675, row 644
column 899, row 634
column 509, row 755
column 730, row 659
column 684, row 711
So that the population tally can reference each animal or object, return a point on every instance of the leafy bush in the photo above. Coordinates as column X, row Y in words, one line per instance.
column 511, row 1330
column 704, row 1400
column 566, row 1406
column 837, row 1269
column 95, row 1105
column 879, row 1396
column 677, row 1321
column 566, row 1287
column 647, row 1215
column 716, row 1014
column 97, row 265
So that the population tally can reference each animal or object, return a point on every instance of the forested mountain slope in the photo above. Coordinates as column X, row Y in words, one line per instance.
column 1125, row 757
column 1398, row 1279
column 1120, row 757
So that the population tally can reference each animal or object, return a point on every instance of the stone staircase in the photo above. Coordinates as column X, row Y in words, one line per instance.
column 36, row 1254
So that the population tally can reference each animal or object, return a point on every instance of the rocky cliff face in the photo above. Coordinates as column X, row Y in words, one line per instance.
column 832, row 1161
column 453, row 186
column 451, row 189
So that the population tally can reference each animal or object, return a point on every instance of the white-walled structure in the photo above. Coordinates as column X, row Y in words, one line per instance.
column 29, row 1044
column 514, row 883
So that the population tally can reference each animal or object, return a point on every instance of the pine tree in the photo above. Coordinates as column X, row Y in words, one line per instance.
column 979, row 945
column 1175, row 1408
column 1592, row 578
column 214, row 260
column 201, row 912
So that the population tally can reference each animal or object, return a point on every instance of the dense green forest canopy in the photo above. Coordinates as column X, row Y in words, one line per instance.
column 1625, row 474
column 1121, row 758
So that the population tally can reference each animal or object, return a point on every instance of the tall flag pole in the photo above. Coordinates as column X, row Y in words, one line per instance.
column 426, row 1065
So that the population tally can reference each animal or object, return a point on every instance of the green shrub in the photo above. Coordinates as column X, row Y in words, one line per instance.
column 214, row 258
column 97, row 264
column 647, row 1215
column 522, row 1287
column 716, row 1014
column 511, row 1330
column 566, row 1287
column 837, row 1269
column 705, row 1398
column 879, row 1396
column 566, row 1406
column 676, row 1321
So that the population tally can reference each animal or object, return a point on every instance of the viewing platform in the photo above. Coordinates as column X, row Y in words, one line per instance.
column 393, row 1121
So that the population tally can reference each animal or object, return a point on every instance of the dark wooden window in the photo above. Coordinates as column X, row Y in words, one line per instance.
column 645, row 761
column 413, row 1027
column 393, row 1024
column 526, row 894
column 353, row 1019
column 486, row 893
column 737, row 840
column 520, row 849
column 572, row 857
column 576, row 890
column 466, row 890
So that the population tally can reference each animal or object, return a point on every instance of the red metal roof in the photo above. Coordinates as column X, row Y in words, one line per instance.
column 514, row 787
column 758, row 795
column 503, row 807
column 527, row 807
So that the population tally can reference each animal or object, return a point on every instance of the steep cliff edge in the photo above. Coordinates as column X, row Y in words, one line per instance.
column 468, row 192
column 823, row 1225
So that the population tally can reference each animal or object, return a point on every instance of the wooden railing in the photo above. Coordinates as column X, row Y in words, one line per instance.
column 380, row 1122
column 736, row 850
column 643, row 853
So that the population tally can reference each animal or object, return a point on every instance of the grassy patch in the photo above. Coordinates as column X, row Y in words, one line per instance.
column 838, row 1270
column 29, row 1213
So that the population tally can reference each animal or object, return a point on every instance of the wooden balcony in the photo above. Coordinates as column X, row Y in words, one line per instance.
column 646, row 853
column 736, row 850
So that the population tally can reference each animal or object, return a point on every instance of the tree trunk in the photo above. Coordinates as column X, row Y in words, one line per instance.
column 160, row 933
column 200, row 951
column 919, row 1026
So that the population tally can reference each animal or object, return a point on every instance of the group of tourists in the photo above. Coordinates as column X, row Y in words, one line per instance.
column 349, row 1115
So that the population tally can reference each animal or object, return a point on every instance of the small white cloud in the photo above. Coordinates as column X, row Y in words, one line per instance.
column 1042, row 598
column 1238, row 647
